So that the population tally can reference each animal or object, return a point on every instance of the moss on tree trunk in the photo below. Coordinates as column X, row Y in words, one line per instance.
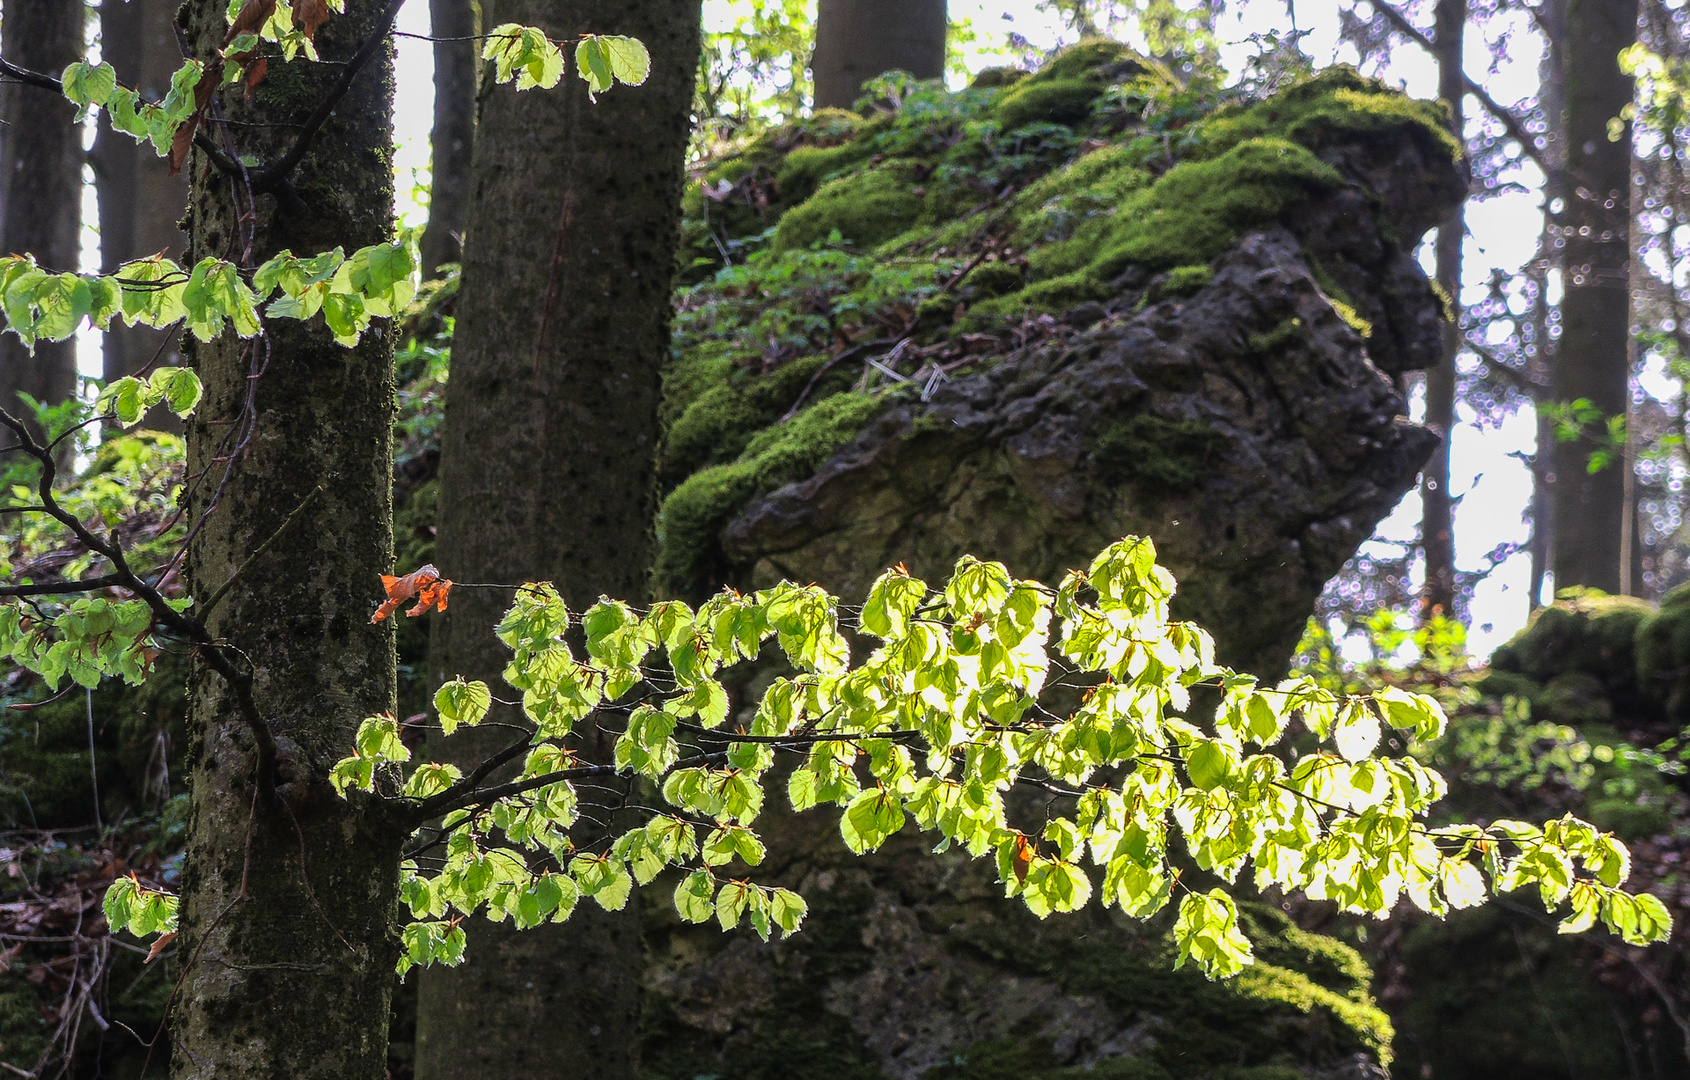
column 546, row 473
column 289, row 900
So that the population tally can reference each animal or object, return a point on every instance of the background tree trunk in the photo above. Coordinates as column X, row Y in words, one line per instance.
column 289, row 899
column 40, row 182
column 858, row 40
column 546, row 473
column 452, row 22
column 140, row 203
column 1593, row 228
column 1437, row 517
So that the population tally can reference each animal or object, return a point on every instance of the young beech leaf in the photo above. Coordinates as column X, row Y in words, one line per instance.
column 604, row 59
column 461, row 702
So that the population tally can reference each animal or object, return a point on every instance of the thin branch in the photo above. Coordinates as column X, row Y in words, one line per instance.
column 59, row 588
column 167, row 616
column 224, row 163
column 441, row 804
column 223, row 589
column 274, row 175
column 1510, row 122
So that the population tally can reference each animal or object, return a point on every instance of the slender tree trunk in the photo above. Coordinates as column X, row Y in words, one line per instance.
column 289, row 895
column 858, row 40
column 546, row 473
column 140, row 203
column 452, row 22
column 1593, row 229
column 40, row 182
column 1437, row 517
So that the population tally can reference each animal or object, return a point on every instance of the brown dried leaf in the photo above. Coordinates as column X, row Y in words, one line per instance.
column 253, row 14
column 308, row 15
column 184, row 140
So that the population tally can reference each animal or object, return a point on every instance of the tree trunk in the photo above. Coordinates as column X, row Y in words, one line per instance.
column 1593, row 229
column 1437, row 517
column 140, row 203
column 289, row 895
column 40, row 183
column 452, row 22
column 546, row 473
column 858, row 40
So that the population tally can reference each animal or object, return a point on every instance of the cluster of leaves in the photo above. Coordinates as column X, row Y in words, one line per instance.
column 92, row 86
column 936, row 725
column 347, row 291
column 89, row 639
column 525, row 56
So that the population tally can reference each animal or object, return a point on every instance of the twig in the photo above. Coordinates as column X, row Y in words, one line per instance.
column 163, row 613
column 848, row 354
column 272, row 176
column 224, row 163
column 58, row 588
column 223, row 589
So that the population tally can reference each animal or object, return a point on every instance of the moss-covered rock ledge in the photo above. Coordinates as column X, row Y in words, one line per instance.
column 1026, row 318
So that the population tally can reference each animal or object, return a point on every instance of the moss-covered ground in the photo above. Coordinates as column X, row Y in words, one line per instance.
column 822, row 244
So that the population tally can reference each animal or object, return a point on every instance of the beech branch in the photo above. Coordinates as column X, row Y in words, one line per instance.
column 225, row 164
column 164, row 615
column 275, row 174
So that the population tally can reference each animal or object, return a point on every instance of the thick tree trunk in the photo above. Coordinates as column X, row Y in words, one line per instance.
column 289, row 897
column 40, row 182
column 1437, row 511
column 452, row 22
column 1593, row 228
column 140, row 203
column 858, row 40
column 546, row 473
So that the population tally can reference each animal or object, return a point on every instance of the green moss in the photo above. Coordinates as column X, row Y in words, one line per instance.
column 1587, row 632
column 1282, row 334
column 993, row 78
column 991, row 279
column 1056, row 101
column 1181, row 281
column 1030, row 1059
column 1630, row 818
column 1163, row 455
column 1099, row 58
column 1189, row 216
column 23, row 1030
column 1662, row 656
column 695, row 511
column 1338, row 105
column 807, row 167
column 866, row 208
column 726, row 414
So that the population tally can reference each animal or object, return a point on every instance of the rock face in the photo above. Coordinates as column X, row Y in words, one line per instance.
column 1093, row 308
column 1243, row 428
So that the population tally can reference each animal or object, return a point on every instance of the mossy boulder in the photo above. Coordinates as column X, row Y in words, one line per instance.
column 1589, row 634
column 911, row 966
column 1663, row 657
column 866, row 208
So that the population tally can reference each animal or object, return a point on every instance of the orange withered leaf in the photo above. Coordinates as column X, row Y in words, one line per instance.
column 159, row 946
column 424, row 584
column 184, row 140
column 1023, row 859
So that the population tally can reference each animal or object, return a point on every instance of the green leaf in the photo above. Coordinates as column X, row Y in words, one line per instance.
column 88, row 85
column 524, row 55
column 892, row 600
column 695, row 897
column 873, row 816
column 460, row 702
column 1356, row 732
column 123, row 399
column 178, row 388
column 604, row 59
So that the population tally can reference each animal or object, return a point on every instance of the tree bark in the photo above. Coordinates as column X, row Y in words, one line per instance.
column 547, row 471
column 452, row 22
column 1437, row 511
column 1593, row 229
column 858, row 40
column 40, row 183
column 289, row 895
column 140, row 203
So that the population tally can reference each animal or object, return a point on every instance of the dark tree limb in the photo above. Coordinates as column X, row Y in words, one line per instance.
column 188, row 628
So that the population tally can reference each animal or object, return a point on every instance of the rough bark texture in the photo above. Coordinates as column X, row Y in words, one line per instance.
column 858, row 40
column 546, row 474
column 140, row 203
column 1593, row 231
column 1437, row 517
column 40, row 183
column 452, row 22
column 289, row 915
